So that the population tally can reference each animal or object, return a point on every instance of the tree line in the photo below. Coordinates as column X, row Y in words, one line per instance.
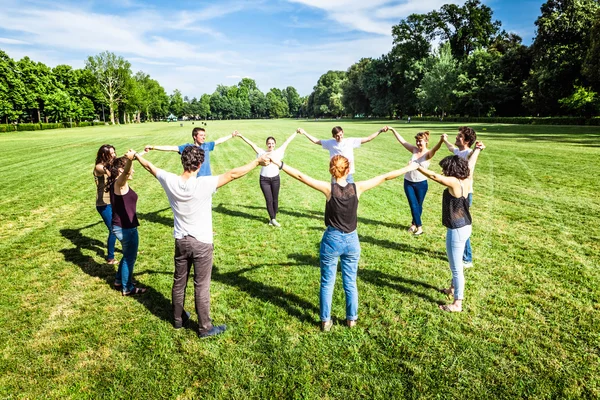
column 476, row 69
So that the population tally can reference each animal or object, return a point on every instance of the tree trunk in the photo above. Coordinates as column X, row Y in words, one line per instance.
column 112, row 113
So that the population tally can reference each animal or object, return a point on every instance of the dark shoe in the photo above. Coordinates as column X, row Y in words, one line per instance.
column 216, row 330
column 135, row 292
column 184, row 320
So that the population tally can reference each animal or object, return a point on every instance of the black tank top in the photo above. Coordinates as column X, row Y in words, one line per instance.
column 124, row 213
column 455, row 210
column 340, row 210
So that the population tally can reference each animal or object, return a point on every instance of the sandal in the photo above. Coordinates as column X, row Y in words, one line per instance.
column 135, row 292
column 444, row 307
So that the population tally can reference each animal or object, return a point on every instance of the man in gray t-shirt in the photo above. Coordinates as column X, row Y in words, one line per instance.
column 190, row 197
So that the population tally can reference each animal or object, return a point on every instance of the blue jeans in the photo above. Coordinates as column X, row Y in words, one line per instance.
column 455, row 246
column 415, row 193
column 336, row 245
column 468, row 254
column 129, row 243
column 106, row 214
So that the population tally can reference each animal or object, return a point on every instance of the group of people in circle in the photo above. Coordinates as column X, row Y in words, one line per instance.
column 190, row 197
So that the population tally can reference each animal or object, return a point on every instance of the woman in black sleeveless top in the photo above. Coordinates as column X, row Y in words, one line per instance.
column 457, row 177
column 340, row 240
column 125, row 221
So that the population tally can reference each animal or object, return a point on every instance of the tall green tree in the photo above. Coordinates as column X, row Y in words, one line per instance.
column 111, row 72
column 13, row 93
column 436, row 91
column 591, row 65
column 293, row 100
column 176, row 103
column 354, row 98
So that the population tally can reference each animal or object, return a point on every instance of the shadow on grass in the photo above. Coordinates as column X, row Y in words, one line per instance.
column 403, row 247
column 403, row 285
column 156, row 218
column 233, row 213
column 153, row 300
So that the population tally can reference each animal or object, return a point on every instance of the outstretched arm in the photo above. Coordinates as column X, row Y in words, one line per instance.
column 439, row 178
column 309, row 137
column 122, row 178
column 373, row 135
column 224, row 138
column 449, row 145
column 148, row 166
column 321, row 186
column 288, row 141
column 256, row 149
column 240, row 171
column 161, row 148
column 435, row 148
column 404, row 143
column 479, row 146
column 363, row 186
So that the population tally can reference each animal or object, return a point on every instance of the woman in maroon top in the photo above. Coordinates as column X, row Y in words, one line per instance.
column 340, row 240
column 124, row 221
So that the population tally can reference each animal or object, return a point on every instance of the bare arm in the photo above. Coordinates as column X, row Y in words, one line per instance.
column 363, row 186
column 224, row 139
column 148, row 166
column 479, row 146
column 372, row 136
column 449, row 145
column 309, row 137
column 435, row 148
column 321, row 186
column 148, row 147
column 122, row 178
column 100, row 170
column 287, row 142
column 448, row 181
column 404, row 143
column 256, row 149
column 238, row 172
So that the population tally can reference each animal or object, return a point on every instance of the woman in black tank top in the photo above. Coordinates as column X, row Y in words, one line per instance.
column 457, row 177
column 340, row 240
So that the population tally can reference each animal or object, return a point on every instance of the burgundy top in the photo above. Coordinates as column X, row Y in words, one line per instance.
column 341, row 209
column 124, row 209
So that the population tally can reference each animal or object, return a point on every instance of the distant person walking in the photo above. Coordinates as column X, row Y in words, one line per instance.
column 456, row 217
column 415, row 183
column 340, row 240
column 190, row 197
column 465, row 138
column 199, row 138
column 341, row 146
column 125, row 221
column 269, row 175
column 104, row 157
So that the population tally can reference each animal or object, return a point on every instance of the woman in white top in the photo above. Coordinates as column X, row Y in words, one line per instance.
column 269, row 175
column 415, row 183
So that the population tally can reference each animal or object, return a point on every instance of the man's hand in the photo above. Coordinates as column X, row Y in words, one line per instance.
column 147, row 148
column 264, row 160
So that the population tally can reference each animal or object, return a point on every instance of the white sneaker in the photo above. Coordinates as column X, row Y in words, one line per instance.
column 275, row 223
column 467, row 265
column 270, row 222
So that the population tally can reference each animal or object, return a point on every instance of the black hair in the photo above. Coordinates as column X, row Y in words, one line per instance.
column 456, row 167
column 469, row 135
column 103, row 156
column 270, row 137
column 114, row 167
column 336, row 130
column 191, row 158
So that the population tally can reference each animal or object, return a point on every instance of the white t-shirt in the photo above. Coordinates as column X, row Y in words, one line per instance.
column 345, row 148
column 191, row 202
column 464, row 154
column 416, row 176
column 271, row 170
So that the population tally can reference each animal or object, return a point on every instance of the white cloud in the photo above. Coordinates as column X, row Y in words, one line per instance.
column 12, row 41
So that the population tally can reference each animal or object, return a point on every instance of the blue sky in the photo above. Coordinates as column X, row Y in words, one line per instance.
column 195, row 45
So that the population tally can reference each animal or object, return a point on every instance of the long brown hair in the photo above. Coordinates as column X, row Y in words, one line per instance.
column 103, row 156
column 116, row 164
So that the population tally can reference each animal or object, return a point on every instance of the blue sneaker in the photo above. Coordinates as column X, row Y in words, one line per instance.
column 216, row 330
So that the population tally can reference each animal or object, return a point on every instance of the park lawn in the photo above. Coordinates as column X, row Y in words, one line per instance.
column 530, row 328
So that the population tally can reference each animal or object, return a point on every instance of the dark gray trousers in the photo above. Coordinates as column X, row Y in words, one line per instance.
column 188, row 252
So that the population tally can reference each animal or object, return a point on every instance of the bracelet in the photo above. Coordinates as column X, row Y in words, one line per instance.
column 281, row 166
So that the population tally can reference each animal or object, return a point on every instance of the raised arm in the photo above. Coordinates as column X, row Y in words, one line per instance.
column 363, row 186
column 287, row 142
column 309, row 137
column 449, row 145
column 403, row 142
column 373, row 135
column 122, row 178
column 148, row 166
column 224, row 138
column 435, row 148
column 448, row 181
column 479, row 146
column 321, row 186
column 256, row 149
column 161, row 148
column 238, row 172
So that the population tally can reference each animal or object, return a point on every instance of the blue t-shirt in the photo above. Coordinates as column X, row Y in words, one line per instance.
column 207, row 147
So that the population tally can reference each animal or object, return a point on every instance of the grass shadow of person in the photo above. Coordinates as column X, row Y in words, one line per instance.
column 403, row 247
column 221, row 209
column 153, row 300
column 403, row 285
column 155, row 217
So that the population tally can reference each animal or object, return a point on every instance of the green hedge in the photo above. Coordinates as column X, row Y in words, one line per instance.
column 517, row 120
column 44, row 126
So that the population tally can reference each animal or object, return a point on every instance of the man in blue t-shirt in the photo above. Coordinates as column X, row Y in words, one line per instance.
column 199, row 136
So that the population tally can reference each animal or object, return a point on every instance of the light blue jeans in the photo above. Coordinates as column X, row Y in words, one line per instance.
column 455, row 246
column 468, row 254
column 129, row 243
column 336, row 245
column 106, row 214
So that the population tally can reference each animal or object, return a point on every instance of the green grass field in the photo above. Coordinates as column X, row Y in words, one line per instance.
column 530, row 329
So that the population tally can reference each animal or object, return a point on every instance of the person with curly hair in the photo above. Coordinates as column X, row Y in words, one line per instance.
column 104, row 157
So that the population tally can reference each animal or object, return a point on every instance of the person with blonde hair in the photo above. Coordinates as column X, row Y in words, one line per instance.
column 415, row 183
column 340, row 240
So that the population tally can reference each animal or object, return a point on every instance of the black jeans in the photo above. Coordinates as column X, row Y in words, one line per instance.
column 190, row 251
column 270, row 189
